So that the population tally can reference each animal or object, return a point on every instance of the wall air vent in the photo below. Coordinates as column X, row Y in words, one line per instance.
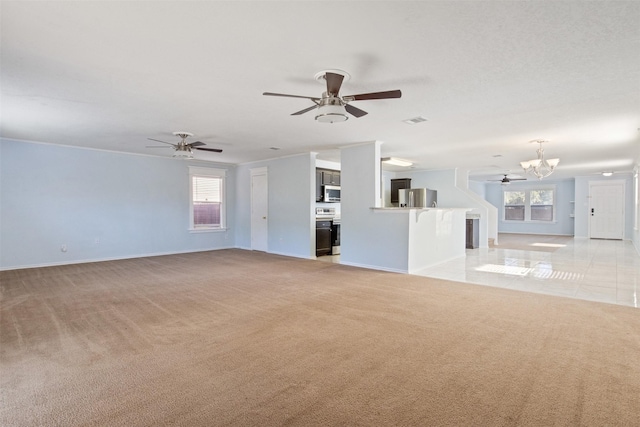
column 415, row 120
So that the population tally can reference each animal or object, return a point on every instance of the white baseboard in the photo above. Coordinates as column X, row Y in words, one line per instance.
column 536, row 234
column 373, row 267
column 85, row 261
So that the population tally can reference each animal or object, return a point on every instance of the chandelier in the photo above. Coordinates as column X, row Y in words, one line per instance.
column 540, row 167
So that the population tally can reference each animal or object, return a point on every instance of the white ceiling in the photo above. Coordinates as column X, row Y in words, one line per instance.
column 488, row 75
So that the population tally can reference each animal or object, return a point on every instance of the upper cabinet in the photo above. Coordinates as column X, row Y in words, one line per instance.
column 398, row 184
column 325, row 177
column 319, row 185
column 330, row 177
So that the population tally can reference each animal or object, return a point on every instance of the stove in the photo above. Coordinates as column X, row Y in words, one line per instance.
column 327, row 214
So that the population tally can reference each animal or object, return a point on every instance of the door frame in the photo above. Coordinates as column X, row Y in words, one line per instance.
column 601, row 182
column 253, row 173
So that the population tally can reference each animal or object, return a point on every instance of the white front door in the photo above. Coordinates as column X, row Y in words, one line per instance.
column 259, row 209
column 606, row 210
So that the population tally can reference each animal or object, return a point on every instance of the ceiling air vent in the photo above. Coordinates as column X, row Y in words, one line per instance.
column 415, row 120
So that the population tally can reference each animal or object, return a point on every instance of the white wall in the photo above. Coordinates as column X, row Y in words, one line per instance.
column 291, row 217
column 101, row 205
column 582, row 203
column 565, row 194
column 451, row 195
column 635, row 234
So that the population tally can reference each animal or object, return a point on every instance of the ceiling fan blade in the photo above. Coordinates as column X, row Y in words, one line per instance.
column 157, row 140
column 214, row 150
column 290, row 96
column 355, row 111
column 156, row 146
column 375, row 95
column 297, row 113
column 334, row 81
column 197, row 144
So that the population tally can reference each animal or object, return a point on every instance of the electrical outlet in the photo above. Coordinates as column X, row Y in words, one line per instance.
column 63, row 248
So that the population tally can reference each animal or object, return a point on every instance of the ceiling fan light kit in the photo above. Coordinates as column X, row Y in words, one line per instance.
column 540, row 167
column 183, row 153
column 331, row 107
column 506, row 180
column 183, row 149
column 331, row 110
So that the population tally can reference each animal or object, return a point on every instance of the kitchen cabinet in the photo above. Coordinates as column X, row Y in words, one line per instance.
column 330, row 177
column 323, row 237
column 319, row 193
column 325, row 177
column 398, row 184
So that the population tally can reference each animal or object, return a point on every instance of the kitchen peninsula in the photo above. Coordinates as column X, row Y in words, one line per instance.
column 403, row 240
column 431, row 235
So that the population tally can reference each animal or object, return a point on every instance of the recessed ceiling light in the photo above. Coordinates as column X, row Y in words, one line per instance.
column 274, row 148
column 607, row 173
column 415, row 120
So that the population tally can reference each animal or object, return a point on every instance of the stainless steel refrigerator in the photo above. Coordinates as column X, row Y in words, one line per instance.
column 417, row 198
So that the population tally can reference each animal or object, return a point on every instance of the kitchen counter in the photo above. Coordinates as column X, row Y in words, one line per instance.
column 401, row 210
column 427, row 236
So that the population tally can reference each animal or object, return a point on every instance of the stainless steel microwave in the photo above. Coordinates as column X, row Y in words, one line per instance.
column 331, row 193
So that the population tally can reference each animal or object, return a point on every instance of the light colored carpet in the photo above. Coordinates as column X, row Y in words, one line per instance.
column 240, row 338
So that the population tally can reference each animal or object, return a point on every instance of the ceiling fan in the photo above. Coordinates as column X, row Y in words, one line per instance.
column 331, row 107
column 506, row 180
column 182, row 148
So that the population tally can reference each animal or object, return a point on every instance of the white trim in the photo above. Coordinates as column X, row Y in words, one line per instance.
column 289, row 255
column 636, row 198
column 208, row 230
column 603, row 182
column 259, row 171
column 84, row 261
column 256, row 172
column 104, row 150
column 198, row 171
column 374, row 267
column 527, row 204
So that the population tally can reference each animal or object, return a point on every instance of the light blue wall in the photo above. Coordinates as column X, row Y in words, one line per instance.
column 101, row 205
column 291, row 182
column 478, row 187
column 563, row 225
column 369, row 239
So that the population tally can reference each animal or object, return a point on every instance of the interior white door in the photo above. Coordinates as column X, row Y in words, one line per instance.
column 606, row 210
column 259, row 210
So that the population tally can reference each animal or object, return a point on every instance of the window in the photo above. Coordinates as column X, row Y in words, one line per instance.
column 541, row 202
column 206, row 198
column 514, row 205
column 529, row 205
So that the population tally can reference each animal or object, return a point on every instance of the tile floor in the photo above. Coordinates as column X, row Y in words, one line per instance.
column 596, row 270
